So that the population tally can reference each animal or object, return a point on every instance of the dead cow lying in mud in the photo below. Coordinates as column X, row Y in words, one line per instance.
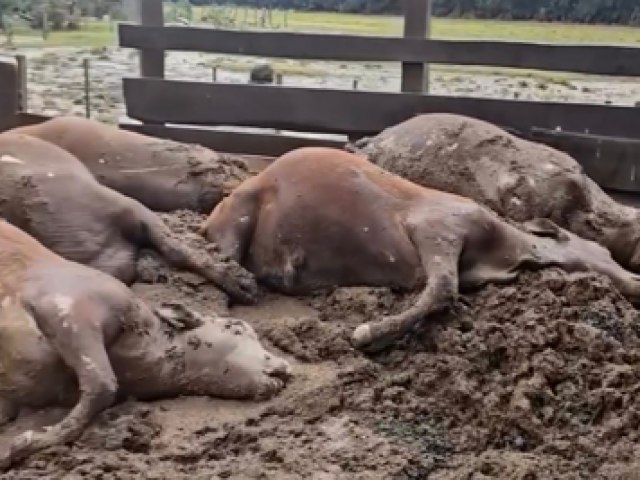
column 69, row 333
column 49, row 194
column 319, row 218
column 161, row 174
column 518, row 179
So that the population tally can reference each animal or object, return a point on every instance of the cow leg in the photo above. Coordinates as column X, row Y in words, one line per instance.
column 118, row 260
column 439, row 257
column 232, row 223
column 80, row 344
column 226, row 274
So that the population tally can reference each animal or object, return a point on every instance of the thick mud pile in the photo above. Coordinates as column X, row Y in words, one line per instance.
column 534, row 380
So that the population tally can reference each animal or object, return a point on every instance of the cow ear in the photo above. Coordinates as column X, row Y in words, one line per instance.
column 357, row 145
column 178, row 317
column 543, row 227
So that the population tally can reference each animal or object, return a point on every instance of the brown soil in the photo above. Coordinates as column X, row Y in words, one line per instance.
column 535, row 380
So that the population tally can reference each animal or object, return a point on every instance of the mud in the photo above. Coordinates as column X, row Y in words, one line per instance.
column 534, row 380
column 55, row 79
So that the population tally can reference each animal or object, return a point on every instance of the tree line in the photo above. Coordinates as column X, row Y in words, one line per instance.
column 582, row 11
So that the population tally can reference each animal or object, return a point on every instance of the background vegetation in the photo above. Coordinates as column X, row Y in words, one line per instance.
column 583, row 11
column 80, row 22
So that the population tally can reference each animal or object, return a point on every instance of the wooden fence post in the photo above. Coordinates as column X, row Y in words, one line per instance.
column 417, row 19
column 8, row 92
column 87, row 88
column 22, row 83
column 151, row 61
column 45, row 22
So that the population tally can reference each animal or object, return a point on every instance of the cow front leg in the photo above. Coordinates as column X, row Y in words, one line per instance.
column 440, row 261
column 80, row 344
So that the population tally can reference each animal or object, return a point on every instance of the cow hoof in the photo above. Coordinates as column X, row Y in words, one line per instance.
column 17, row 450
column 242, row 288
column 362, row 336
column 363, row 339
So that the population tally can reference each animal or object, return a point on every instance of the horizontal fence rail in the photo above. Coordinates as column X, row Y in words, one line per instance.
column 583, row 58
column 352, row 112
column 604, row 139
column 611, row 161
column 252, row 143
column 592, row 150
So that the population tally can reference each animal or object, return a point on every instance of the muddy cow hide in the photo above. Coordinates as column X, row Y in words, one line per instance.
column 49, row 194
column 319, row 218
column 516, row 178
column 69, row 333
column 161, row 174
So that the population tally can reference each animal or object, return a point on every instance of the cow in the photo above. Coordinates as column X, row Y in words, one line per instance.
column 70, row 334
column 516, row 178
column 48, row 193
column 318, row 218
column 161, row 174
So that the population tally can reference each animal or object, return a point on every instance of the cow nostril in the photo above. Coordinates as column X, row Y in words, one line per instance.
column 280, row 368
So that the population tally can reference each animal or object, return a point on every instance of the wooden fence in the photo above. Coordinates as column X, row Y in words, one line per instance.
column 605, row 139
column 8, row 91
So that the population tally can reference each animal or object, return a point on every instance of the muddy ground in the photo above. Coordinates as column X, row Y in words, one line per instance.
column 534, row 380
column 55, row 79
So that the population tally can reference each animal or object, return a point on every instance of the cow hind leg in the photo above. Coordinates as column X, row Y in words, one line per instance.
column 232, row 223
column 226, row 274
column 439, row 258
column 80, row 344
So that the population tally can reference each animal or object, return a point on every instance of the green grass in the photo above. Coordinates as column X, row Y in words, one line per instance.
column 534, row 31
column 93, row 34
column 452, row 28
column 97, row 33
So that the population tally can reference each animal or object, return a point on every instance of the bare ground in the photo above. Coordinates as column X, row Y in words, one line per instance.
column 55, row 79
column 535, row 380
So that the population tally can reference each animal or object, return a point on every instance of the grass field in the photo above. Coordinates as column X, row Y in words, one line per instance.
column 99, row 33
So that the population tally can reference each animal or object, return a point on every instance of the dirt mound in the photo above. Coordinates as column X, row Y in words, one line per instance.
column 533, row 380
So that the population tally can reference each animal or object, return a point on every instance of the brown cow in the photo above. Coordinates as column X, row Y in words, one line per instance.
column 49, row 194
column 161, row 174
column 518, row 179
column 69, row 333
column 319, row 218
